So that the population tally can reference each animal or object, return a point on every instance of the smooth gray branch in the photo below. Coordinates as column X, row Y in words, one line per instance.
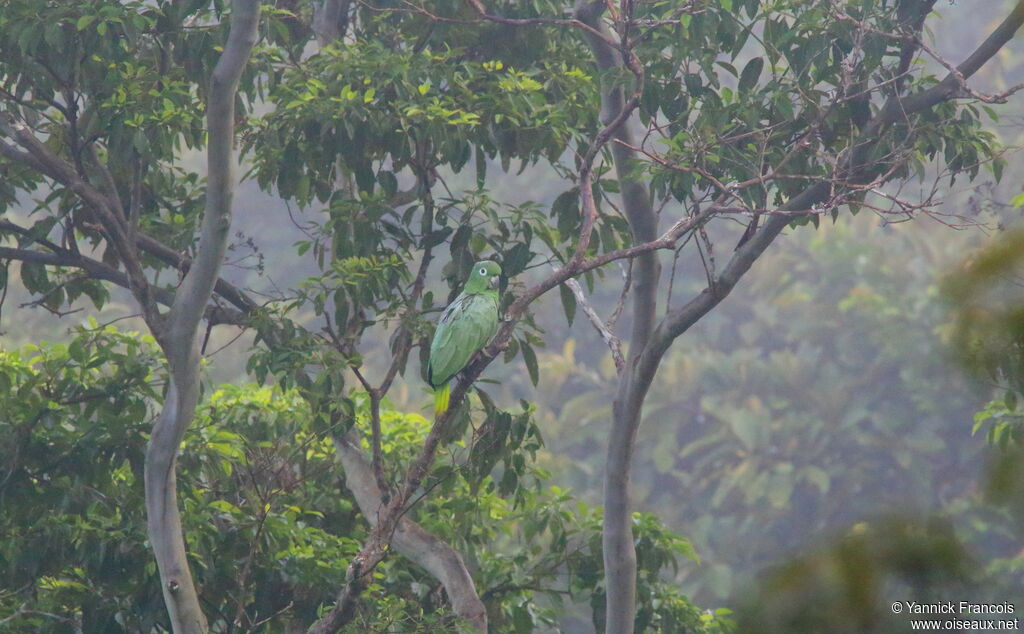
column 410, row 539
column 611, row 340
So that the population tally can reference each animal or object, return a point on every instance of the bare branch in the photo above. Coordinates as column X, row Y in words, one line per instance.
column 613, row 342
column 167, row 255
column 620, row 305
column 377, row 455
column 403, row 338
column 59, row 256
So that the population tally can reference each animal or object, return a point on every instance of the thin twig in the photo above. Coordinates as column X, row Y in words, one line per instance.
column 613, row 342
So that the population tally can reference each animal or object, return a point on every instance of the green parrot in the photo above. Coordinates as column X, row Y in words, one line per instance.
column 465, row 326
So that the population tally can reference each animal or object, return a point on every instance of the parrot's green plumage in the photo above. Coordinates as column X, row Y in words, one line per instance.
column 465, row 326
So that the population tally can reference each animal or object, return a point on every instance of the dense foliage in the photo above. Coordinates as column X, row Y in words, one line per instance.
column 267, row 513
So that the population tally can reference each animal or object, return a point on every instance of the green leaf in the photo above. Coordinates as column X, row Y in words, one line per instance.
column 751, row 73
column 225, row 507
column 530, row 358
column 565, row 209
column 693, row 84
column 818, row 477
column 568, row 302
column 388, row 182
column 435, row 237
column 515, row 260
column 481, row 168
column 33, row 276
column 39, row 230
column 84, row 22
column 365, row 179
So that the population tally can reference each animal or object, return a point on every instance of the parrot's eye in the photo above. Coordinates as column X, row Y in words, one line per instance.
column 483, row 271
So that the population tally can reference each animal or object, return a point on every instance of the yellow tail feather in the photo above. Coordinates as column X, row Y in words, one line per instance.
column 441, row 396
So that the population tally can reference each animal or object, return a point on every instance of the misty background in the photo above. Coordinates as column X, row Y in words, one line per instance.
column 820, row 395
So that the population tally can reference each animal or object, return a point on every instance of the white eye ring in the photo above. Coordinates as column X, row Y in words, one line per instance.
column 483, row 271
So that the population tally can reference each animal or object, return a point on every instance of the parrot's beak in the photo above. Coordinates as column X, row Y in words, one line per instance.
column 494, row 281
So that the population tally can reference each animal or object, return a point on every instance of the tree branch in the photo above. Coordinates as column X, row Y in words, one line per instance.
column 678, row 321
column 69, row 258
column 852, row 169
column 360, row 569
column 18, row 156
column 375, row 547
column 612, row 341
column 41, row 158
column 55, row 168
column 410, row 539
column 231, row 293
column 201, row 278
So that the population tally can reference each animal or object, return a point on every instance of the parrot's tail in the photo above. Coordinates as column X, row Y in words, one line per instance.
column 441, row 395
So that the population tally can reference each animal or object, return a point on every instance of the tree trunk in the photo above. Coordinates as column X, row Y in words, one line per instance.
column 163, row 521
column 178, row 334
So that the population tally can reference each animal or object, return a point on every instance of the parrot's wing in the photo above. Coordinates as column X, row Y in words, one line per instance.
column 481, row 318
column 444, row 358
column 465, row 326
